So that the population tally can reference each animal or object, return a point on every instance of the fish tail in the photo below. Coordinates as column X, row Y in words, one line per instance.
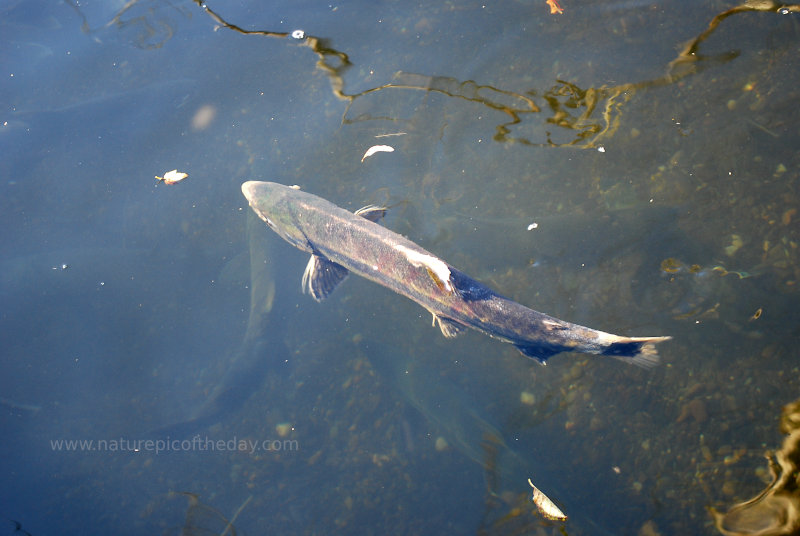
column 641, row 351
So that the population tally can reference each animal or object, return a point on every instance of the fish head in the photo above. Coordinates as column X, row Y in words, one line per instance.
column 272, row 202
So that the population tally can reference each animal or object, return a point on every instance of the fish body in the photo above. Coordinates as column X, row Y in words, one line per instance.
column 341, row 242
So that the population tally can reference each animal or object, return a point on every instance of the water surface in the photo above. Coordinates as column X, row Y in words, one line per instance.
column 614, row 166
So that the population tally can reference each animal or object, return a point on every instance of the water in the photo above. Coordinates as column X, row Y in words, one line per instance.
column 126, row 301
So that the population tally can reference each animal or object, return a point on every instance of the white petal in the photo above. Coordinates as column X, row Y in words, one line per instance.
column 377, row 149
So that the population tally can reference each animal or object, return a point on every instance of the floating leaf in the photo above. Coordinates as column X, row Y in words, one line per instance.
column 377, row 149
column 172, row 177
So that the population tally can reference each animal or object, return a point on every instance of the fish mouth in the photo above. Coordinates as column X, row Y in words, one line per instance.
column 256, row 193
column 249, row 190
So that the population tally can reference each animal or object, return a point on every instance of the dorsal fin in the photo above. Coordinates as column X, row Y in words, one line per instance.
column 371, row 212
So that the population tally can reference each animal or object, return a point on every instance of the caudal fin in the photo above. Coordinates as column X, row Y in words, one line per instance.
column 640, row 351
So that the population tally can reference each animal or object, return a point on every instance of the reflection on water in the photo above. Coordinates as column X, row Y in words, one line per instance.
column 587, row 116
column 776, row 510
column 582, row 117
column 147, row 24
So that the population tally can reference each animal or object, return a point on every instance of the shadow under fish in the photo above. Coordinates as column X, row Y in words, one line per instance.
column 253, row 359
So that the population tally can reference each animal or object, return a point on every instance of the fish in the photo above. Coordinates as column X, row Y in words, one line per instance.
column 341, row 242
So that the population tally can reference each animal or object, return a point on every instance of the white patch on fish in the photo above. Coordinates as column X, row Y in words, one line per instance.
column 436, row 268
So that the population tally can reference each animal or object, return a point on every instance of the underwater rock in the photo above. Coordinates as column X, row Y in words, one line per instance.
column 695, row 409
column 776, row 510
column 202, row 519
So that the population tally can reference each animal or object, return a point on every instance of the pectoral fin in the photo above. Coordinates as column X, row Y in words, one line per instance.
column 371, row 212
column 322, row 276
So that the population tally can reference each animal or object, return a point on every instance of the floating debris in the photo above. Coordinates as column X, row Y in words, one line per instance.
column 172, row 177
column 546, row 507
column 554, row 7
column 377, row 149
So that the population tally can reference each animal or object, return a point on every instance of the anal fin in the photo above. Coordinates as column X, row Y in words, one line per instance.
column 450, row 328
column 322, row 276
column 539, row 352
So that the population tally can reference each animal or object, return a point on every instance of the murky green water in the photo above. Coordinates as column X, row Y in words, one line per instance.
column 614, row 166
